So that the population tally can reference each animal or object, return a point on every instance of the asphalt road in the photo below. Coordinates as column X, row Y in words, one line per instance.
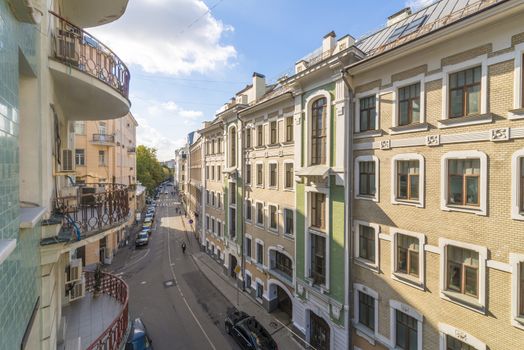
column 178, row 304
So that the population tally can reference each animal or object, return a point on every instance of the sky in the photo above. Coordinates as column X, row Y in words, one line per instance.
column 188, row 57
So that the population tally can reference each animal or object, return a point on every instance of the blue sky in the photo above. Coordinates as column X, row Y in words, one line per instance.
column 188, row 57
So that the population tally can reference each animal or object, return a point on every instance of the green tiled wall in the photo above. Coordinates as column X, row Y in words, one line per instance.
column 19, row 275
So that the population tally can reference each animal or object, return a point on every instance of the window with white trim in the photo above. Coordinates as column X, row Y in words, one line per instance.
column 273, row 217
column 212, row 172
column 455, row 344
column 517, row 186
column 452, row 338
column 248, row 281
column 273, row 175
column 408, row 257
column 260, row 290
column 219, row 173
column 366, row 177
column 248, row 247
column 464, row 92
column 365, row 311
column 521, row 290
column 207, row 197
column 232, row 193
column 406, row 326
column 289, row 222
column 289, row 129
column 409, row 103
column 366, row 244
column 318, row 131
column 367, row 113
column 249, row 210
column 260, row 213
column 288, row 176
column 248, row 174
column 408, row 179
column 273, row 133
column 219, row 229
column 260, row 135
column 232, row 223
column 207, row 172
column 207, row 222
column 213, row 199
column 248, row 137
column 233, row 147
column 260, row 252
column 260, row 174
column 219, row 200
column 318, row 210
column 213, row 225
column 318, row 259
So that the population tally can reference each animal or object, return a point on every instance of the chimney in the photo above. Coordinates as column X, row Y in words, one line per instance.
column 259, row 85
column 329, row 42
column 399, row 16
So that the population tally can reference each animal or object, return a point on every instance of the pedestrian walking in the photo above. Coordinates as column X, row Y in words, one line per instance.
column 184, row 247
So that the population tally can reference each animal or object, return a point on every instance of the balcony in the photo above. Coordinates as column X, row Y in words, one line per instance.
column 131, row 150
column 98, row 322
column 91, row 82
column 103, row 139
column 93, row 12
column 85, row 211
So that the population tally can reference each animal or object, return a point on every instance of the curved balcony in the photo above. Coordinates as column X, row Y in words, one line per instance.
column 93, row 12
column 88, row 210
column 103, row 139
column 91, row 81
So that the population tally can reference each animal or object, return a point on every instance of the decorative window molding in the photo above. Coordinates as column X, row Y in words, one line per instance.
column 277, row 214
column 248, row 206
column 421, row 179
column 230, row 162
column 286, row 164
column 447, row 330
column 516, row 262
column 259, row 206
column 370, row 158
column 518, row 84
column 259, row 184
column 362, row 330
column 410, row 311
column 516, row 190
column 449, row 69
column 365, row 94
column 286, row 213
column 483, row 185
column 373, row 265
column 269, row 164
column 475, row 304
column 404, row 83
column 417, row 282
column 258, row 256
column 308, row 105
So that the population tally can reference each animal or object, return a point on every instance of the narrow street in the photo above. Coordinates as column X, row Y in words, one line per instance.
column 179, row 306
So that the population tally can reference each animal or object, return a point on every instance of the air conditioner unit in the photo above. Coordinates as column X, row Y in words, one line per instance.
column 74, row 271
column 66, row 42
column 68, row 160
column 78, row 291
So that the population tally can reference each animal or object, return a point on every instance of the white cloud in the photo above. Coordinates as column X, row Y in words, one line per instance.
column 171, row 109
column 151, row 137
column 418, row 4
column 164, row 36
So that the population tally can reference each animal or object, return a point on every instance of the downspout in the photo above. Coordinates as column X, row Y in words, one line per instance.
column 241, row 205
column 348, row 195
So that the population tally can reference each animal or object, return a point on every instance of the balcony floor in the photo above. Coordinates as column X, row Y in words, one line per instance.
column 87, row 318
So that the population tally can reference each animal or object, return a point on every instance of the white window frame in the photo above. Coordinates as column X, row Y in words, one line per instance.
column 256, row 174
column 515, row 261
column 230, row 219
column 406, row 278
column 516, row 214
column 405, row 83
column 213, row 220
column 228, row 153
column 274, row 119
column 272, row 162
column 395, row 305
column 208, row 228
column 258, row 281
column 249, row 165
column 421, row 179
column 250, row 286
column 482, row 61
column 518, row 103
column 261, row 225
column 367, row 158
column 258, row 143
column 283, row 252
column 258, row 242
column 277, row 212
column 444, row 294
column 446, row 329
column 483, row 186
column 246, row 237
column 362, row 330
column 292, row 188
column 284, row 210
column 309, row 103
column 361, row 261
column 250, row 206
column 366, row 94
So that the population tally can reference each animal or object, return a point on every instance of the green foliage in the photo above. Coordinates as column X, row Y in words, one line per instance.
column 148, row 169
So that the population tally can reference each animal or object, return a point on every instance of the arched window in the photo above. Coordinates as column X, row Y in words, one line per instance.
column 232, row 147
column 318, row 131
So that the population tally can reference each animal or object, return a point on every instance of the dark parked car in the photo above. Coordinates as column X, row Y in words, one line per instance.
column 138, row 338
column 247, row 331
column 142, row 239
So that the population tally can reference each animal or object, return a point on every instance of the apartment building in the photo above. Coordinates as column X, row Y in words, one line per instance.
column 194, row 187
column 437, row 249
column 48, row 82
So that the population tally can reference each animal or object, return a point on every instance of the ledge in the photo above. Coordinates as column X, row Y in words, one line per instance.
column 516, row 114
column 367, row 134
column 468, row 120
column 7, row 246
column 463, row 300
column 404, row 129
column 29, row 217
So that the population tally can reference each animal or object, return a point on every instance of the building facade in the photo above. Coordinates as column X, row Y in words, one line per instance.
column 194, row 187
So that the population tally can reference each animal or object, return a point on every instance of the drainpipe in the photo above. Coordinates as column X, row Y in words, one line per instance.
column 241, row 204
column 348, row 195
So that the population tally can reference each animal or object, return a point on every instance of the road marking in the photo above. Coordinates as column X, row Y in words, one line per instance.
column 180, row 291
column 143, row 282
column 125, row 267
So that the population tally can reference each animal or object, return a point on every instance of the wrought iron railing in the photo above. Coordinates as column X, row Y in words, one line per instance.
column 73, row 46
column 104, row 138
column 90, row 209
column 131, row 149
column 116, row 288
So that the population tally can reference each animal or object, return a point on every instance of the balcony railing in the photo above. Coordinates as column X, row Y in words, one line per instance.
column 73, row 46
column 103, row 138
column 89, row 210
column 131, row 150
column 116, row 288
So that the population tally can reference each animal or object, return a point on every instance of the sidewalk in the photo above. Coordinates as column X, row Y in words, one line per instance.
column 213, row 271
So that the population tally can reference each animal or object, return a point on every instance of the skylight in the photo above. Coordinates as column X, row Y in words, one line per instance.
column 406, row 29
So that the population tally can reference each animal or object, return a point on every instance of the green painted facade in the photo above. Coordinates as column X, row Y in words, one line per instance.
column 20, row 273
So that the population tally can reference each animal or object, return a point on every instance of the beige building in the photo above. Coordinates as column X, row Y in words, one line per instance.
column 437, row 191
column 194, row 186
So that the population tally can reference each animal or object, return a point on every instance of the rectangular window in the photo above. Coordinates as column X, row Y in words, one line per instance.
column 213, row 199
column 79, row 157
column 406, row 331
column 80, row 128
column 367, row 113
column 212, row 172
column 318, row 132
column 408, row 255
column 455, row 344
column 260, row 175
column 289, row 129
column 248, row 210
column 260, row 213
column 219, row 200
column 272, row 175
column 102, row 158
column 260, row 254
column 289, row 222
column 232, row 222
column 207, row 223
column 366, row 310
column 463, row 181
column 522, row 183
column 248, row 247
column 213, row 225
column 219, row 228
column 318, row 261
column 219, row 145
column 260, row 135
column 260, row 290
column 273, row 217
column 248, row 174
column 409, row 105
column 462, row 270
column 366, row 243
column 521, row 290
column 283, row 264
column 288, row 181
column 218, row 173
column 232, row 193
column 207, row 197
column 408, row 179
column 318, row 210
column 464, row 92
column 367, row 178
column 207, row 172
column 273, row 134
column 248, row 138
column 248, row 281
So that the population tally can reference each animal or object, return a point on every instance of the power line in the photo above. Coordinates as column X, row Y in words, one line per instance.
column 200, row 17
column 151, row 77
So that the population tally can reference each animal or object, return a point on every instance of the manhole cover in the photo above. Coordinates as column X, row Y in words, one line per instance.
column 169, row 283
column 273, row 324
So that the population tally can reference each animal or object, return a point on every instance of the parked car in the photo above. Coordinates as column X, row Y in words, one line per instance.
column 149, row 218
column 138, row 338
column 247, row 331
column 147, row 224
column 142, row 239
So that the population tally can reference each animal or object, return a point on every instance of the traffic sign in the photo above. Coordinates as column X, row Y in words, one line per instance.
column 237, row 269
column 190, row 221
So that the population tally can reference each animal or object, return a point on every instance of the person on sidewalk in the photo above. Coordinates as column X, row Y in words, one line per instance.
column 184, row 247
